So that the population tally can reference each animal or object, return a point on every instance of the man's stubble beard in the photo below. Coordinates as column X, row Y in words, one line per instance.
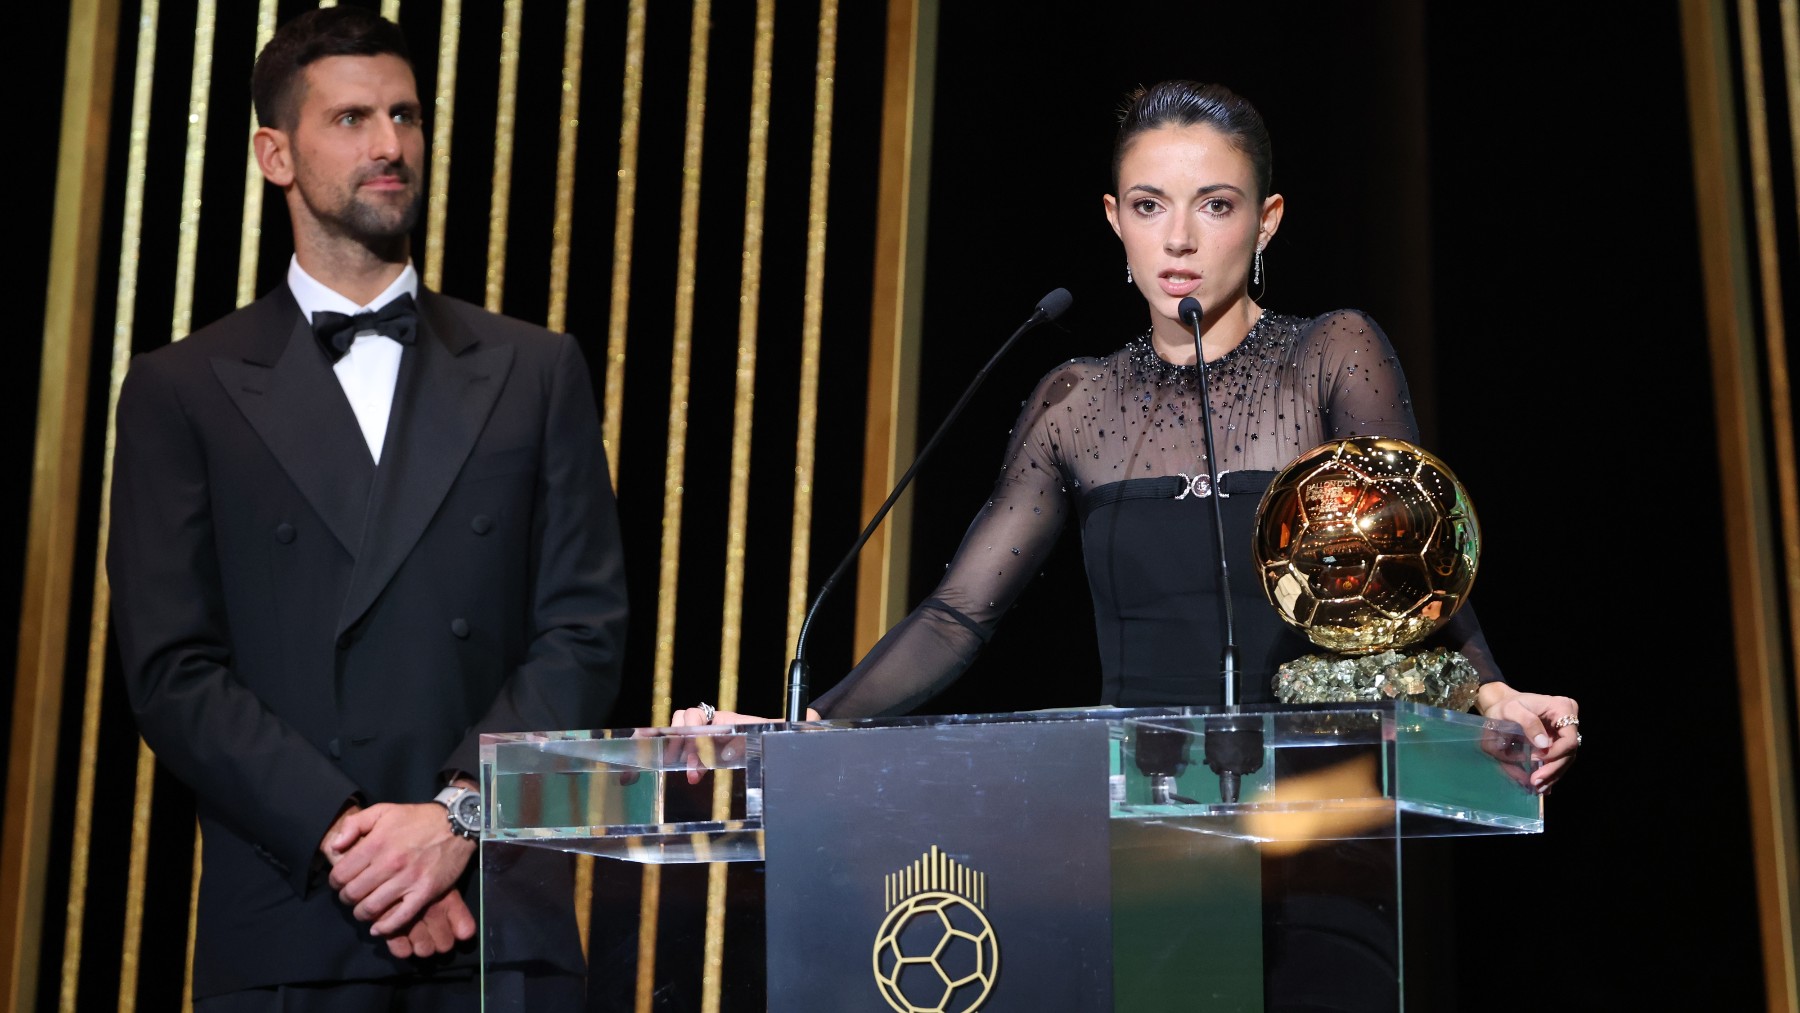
column 376, row 226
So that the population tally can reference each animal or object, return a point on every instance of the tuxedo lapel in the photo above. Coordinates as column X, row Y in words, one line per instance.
column 288, row 393
column 449, row 382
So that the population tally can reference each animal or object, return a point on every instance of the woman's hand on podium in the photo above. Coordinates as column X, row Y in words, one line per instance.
column 698, row 748
column 728, row 748
column 1552, row 726
column 705, row 714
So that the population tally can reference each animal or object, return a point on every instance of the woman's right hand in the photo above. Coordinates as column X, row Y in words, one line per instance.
column 704, row 716
column 727, row 747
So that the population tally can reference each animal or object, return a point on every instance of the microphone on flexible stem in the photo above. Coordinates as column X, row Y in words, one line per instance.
column 1190, row 315
column 1048, row 309
column 1233, row 742
column 1162, row 753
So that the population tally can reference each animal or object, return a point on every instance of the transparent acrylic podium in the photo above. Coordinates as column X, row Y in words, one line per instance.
column 1091, row 859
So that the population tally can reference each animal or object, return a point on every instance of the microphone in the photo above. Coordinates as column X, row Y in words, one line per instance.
column 1049, row 308
column 1190, row 315
column 1233, row 742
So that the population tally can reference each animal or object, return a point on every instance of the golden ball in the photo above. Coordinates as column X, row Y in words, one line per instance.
column 1366, row 544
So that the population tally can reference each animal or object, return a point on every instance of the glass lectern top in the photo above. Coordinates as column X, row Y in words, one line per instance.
column 1268, row 774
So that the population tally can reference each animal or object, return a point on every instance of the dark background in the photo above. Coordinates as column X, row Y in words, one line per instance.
column 1507, row 189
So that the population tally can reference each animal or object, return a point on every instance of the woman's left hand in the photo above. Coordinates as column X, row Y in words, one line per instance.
column 1552, row 725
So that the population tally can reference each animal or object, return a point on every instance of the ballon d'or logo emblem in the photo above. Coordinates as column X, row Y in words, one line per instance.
column 936, row 952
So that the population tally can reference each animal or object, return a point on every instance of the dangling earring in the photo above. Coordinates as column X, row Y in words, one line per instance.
column 1128, row 272
column 1257, row 280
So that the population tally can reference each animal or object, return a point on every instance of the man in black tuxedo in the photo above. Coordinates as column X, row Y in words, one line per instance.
column 354, row 526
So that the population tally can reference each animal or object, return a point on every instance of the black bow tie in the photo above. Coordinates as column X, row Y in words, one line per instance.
column 337, row 331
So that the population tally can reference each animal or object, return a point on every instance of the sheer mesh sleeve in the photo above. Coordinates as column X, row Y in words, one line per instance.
column 1363, row 387
column 1008, row 542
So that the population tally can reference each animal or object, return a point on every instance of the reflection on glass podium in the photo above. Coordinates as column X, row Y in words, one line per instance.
column 1086, row 859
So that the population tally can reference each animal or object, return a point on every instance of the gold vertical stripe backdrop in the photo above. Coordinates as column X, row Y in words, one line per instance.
column 1730, row 320
column 1780, row 456
column 98, row 613
column 738, row 498
column 744, row 394
column 135, row 877
column 1779, row 755
column 568, row 121
column 1790, row 58
column 687, row 244
column 631, row 93
column 193, row 167
column 136, row 157
column 1784, row 401
column 499, row 206
column 187, row 974
column 805, row 446
column 250, row 242
column 675, row 461
column 895, row 316
column 1768, row 255
column 443, row 103
column 649, row 900
column 69, row 302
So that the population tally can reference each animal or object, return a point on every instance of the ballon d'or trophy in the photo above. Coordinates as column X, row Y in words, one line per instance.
column 1367, row 545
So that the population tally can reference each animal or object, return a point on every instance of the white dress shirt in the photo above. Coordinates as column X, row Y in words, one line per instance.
column 369, row 370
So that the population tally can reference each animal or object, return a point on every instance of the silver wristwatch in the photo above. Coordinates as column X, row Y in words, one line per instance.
column 464, row 805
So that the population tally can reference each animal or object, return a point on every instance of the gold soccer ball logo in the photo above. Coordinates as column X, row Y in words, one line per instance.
column 936, row 952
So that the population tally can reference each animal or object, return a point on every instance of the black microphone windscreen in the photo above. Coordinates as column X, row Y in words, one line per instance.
column 1055, row 304
column 1189, row 310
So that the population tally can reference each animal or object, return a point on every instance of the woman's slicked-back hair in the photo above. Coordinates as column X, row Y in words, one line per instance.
column 1188, row 103
column 277, row 85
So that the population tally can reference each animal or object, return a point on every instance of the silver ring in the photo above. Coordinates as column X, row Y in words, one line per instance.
column 1565, row 721
column 1577, row 740
column 706, row 711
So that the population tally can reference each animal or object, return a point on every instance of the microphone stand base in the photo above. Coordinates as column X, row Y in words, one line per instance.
column 1234, row 748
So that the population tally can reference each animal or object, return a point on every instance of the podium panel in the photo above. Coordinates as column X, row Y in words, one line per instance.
column 1092, row 859
column 980, row 882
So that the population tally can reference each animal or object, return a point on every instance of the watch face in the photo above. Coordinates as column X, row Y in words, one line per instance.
column 467, row 811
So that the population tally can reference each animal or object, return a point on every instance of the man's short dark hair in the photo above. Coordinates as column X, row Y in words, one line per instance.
column 278, row 84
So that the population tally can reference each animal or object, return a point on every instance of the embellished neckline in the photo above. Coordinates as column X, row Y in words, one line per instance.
column 1147, row 362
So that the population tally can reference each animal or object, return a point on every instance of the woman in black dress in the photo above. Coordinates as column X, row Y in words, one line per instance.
column 1116, row 442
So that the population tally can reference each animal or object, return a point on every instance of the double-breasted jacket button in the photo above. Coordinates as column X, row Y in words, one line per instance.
column 482, row 524
column 284, row 532
column 459, row 628
column 336, row 747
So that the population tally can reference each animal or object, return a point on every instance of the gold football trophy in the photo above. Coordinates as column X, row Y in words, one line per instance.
column 1367, row 545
